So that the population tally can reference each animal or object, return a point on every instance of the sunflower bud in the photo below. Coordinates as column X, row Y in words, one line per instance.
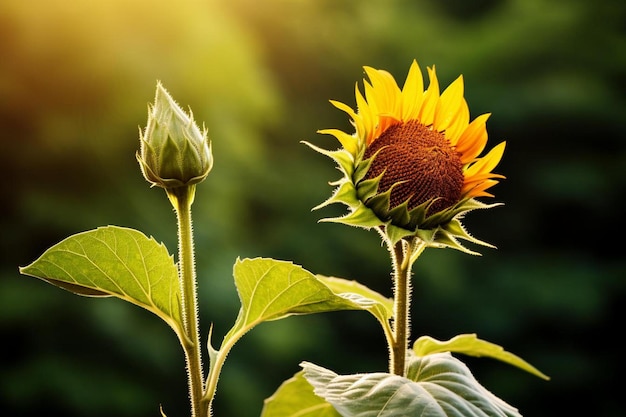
column 174, row 151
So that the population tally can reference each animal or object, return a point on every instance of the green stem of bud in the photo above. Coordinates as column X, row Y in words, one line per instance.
column 403, row 254
column 182, row 198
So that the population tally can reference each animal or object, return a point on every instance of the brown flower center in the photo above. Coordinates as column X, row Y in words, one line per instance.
column 420, row 158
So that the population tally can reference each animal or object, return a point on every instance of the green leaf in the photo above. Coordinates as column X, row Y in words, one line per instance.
column 470, row 344
column 443, row 387
column 114, row 261
column 362, row 297
column 270, row 290
column 295, row 398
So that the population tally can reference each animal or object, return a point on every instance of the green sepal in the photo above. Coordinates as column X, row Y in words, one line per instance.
column 444, row 229
column 400, row 214
column 343, row 158
column 441, row 217
column 455, row 228
column 360, row 216
column 345, row 161
column 460, row 208
column 344, row 193
column 470, row 204
column 418, row 215
column 395, row 233
column 361, row 170
column 380, row 203
column 368, row 188
column 440, row 238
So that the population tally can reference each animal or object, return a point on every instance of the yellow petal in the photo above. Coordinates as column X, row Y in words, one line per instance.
column 348, row 142
column 458, row 125
column 385, row 91
column 366, row 115
column 449, row 105
column 372, row 104
column 478, row 189
column 385, row 121
column 356, row 120
column 473, row 140
column 431, row 96
column 370, row 96
column 412, row 93
column 482, row 177
column 487, row 163
column 344, row 107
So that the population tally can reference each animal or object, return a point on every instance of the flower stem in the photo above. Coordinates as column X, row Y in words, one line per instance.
column 403, row 254
column 182, row 198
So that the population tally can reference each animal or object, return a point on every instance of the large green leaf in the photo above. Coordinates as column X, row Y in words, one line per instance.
column 442, row 387
column 470, row 344
column 295, row 398
column 270, row 290
column 114, row 261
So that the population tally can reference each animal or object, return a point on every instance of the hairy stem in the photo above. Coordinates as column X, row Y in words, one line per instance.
column 403, row 254
column 182, row 198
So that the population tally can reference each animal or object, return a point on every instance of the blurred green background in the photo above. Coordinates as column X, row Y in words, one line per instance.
column 75, row 80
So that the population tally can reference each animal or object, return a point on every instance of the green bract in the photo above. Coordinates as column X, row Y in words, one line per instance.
column 174, row 151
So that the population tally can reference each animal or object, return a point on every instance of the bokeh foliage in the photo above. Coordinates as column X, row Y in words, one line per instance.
column 75, row 80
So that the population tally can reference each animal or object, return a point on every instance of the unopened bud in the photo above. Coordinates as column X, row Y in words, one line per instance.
column 174, row 152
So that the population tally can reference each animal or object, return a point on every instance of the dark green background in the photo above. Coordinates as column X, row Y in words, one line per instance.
column 75, row 80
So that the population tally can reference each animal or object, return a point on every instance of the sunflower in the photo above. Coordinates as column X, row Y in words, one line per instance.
column 413, row 166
